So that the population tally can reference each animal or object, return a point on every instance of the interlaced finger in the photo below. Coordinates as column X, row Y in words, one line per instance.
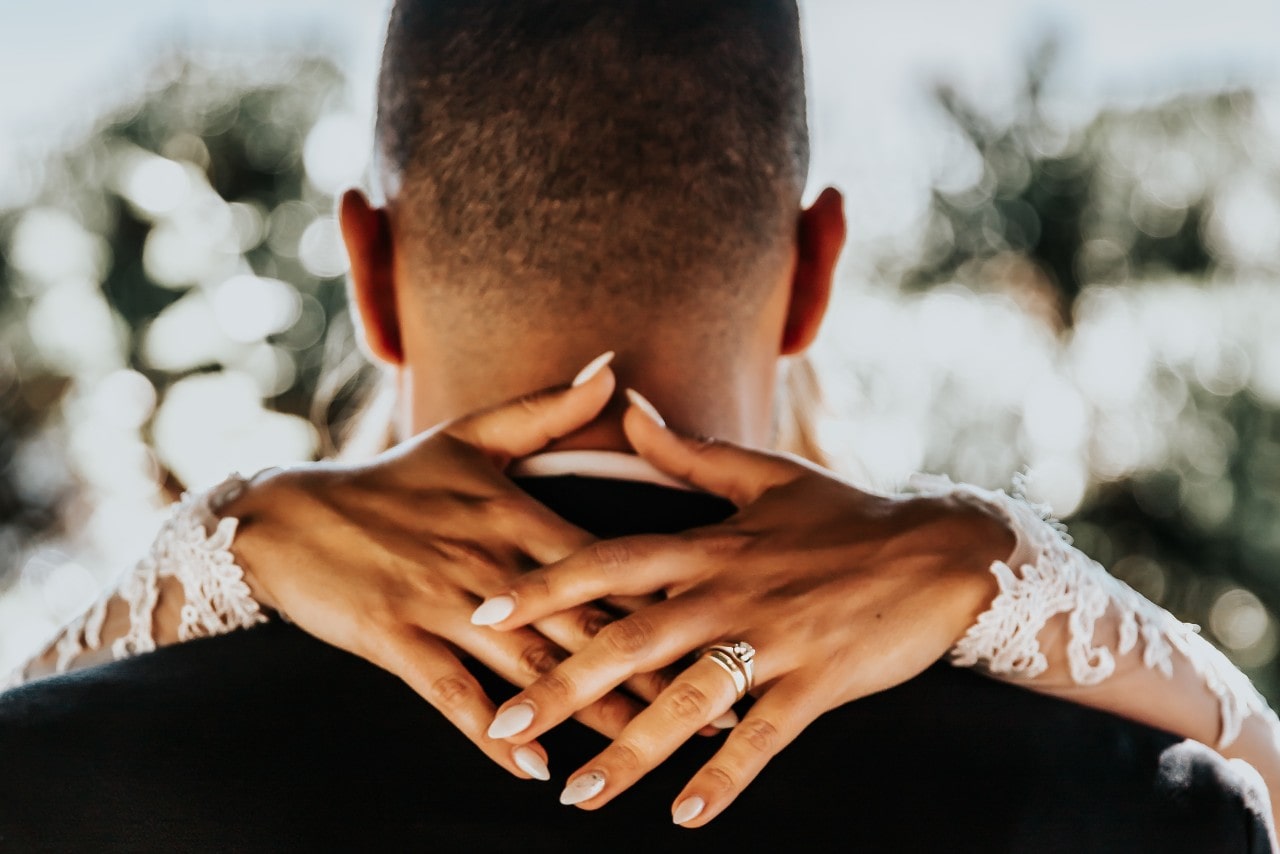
column 645, row 641
column 701, row 694
column 575, row 628
column 625, row 566
column 536, row 529
column 721, row 468
column 522, row 426
column 524, row 657
column 437, row 676
column 773, row 722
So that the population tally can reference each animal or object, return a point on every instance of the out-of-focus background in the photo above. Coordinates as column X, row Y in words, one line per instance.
column 1064, row 258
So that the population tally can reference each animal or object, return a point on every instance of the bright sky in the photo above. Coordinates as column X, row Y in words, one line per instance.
column 870, row 62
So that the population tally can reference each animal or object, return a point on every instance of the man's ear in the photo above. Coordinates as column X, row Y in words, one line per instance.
column 366, row 231
column 820, row 235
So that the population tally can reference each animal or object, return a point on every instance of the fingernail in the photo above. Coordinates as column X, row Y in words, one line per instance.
column 726, row 721
column 528, row 761
column 688, row 809
column 511, row 721
column 582, row 788
column 493, row 610
column 639, row 401
column 594, row 367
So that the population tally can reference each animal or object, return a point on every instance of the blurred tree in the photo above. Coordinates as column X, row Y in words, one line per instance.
column 1136, row 197
column 1053, row 209
column 193, row 195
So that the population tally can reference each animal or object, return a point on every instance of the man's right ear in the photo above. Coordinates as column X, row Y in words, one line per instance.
column 366, row 231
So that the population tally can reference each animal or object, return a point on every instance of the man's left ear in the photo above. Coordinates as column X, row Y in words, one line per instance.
column 820, row 235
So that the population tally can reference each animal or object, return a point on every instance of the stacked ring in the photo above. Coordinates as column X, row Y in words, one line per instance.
column 737, row 658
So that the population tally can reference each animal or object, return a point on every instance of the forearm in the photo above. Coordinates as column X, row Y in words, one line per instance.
column 1061, row 625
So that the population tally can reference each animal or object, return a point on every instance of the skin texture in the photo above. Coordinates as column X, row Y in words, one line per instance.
column 842, row 592
column 860, row 573
column 387, row 559
column 702, row 386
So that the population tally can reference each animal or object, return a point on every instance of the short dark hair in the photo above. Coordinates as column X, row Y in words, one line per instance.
column 601, row 148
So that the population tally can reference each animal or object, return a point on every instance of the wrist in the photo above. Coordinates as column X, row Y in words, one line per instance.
column 984, row 538
column 249, row 505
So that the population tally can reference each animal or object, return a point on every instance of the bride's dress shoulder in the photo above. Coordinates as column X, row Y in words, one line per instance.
column 187, row 586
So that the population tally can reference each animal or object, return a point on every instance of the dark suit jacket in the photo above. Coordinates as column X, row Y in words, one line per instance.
column 267, row 740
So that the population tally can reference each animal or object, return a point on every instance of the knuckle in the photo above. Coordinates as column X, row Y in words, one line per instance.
column 554, row 686
column 688, row 702
column 533, row 586
column 591, row 622
column 628, row 637
column 539, row 658
column 724, row 543
column 623, row 757
column 718, row 779
column 449, row 692
column 531, row 403
column 612, row 554
column 759, row 733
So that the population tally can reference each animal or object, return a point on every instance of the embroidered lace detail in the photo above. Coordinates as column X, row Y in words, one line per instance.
column 216, row 598
column 1046, row 576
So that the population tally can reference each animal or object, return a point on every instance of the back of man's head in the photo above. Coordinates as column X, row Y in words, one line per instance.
column 603, row 156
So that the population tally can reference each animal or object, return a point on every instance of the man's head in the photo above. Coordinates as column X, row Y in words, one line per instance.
column 566, row 176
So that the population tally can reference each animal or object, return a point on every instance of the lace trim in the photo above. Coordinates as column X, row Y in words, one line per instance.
column 1047, row 576
column 216, row 598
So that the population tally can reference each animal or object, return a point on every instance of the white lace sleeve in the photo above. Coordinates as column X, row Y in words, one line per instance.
column 192, row 549
column 1047, row 580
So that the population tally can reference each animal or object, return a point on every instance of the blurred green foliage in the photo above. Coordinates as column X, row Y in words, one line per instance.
column 1034, row 210
column 1136, row 196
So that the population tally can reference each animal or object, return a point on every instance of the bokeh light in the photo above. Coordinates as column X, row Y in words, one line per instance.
column 1064, row 257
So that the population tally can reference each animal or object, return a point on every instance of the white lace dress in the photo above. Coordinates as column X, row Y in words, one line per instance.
column 1060, row 624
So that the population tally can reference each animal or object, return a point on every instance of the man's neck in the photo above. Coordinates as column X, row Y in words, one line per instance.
column 693, row 399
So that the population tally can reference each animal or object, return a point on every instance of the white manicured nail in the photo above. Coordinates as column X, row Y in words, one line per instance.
column 639, row 401
column 726, row 721
column 688, row 809
column 511, row 721
column 493, row 611
column 594, row 367
column 582, row 788
column 528, row 761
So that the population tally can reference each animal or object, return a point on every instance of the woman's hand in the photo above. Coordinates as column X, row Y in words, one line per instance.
column 841, row 592
column 388, row 559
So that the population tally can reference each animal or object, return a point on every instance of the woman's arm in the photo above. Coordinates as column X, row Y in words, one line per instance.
column 384, row 559
column 188, row 586
column 1061, row 625
column 845, row 593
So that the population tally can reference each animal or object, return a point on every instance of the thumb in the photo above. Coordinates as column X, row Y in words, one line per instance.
column 522, row 426
column 722, row 468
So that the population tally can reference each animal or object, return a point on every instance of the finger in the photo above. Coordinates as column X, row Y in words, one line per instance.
column 645, row 641
column 438, row 677
column 625, row 566
column 773, row 723
column 522, row 657
column 719, row 467
column 700, row 695
column 575, row 628
column 518, row 428
column 536, row 529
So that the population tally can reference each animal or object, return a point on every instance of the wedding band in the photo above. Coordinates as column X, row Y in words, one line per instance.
column 738, row 660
